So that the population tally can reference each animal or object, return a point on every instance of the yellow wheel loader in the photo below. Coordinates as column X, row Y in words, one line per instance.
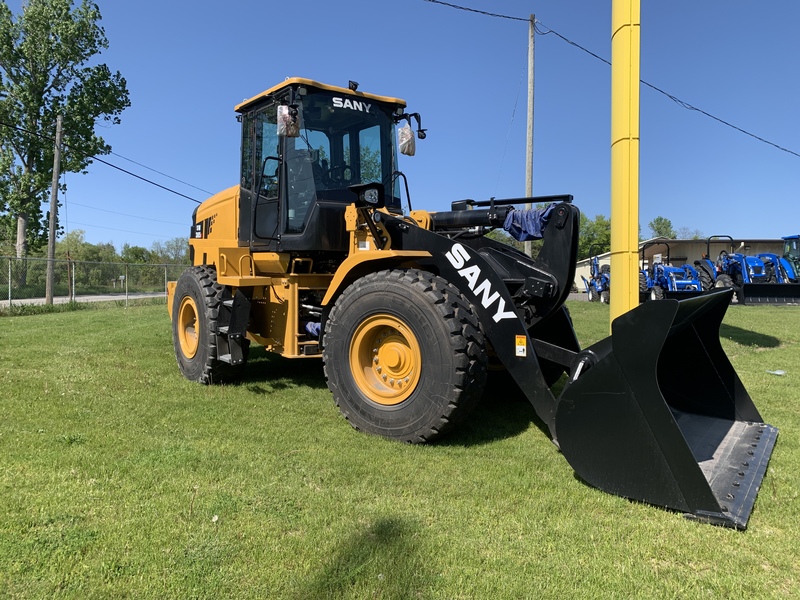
column 313, row 255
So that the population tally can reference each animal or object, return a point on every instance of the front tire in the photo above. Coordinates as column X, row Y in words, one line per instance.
column 726, row 281
column 404, row 355
column 769, row 272
column 656, row 293
column 195, row 320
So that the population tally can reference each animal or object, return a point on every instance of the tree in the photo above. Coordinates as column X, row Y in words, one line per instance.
column 595, row 236
column 171, row 252
column 662, row 227
column 45, row 71
column 135, row 254
column 685, row 233
column 75, row 245
column 498, row 235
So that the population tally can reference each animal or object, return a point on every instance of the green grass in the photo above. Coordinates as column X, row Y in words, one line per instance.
column 118, row 478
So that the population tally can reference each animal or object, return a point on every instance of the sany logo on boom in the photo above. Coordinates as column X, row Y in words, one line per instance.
column 351, row 104
column 458, row 257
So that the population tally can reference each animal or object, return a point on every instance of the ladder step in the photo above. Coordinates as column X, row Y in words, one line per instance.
column 310, row 349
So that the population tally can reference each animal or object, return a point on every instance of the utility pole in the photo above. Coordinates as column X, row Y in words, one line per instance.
column 51, row 240
column 529, row 156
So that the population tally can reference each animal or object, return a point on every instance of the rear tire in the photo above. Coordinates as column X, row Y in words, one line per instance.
column 404, row 355
column 706, row 281
column 769, row 272
column 195, row 318
column 726, row 281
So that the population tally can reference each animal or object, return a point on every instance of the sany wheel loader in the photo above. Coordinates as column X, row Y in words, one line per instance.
column 312, row 255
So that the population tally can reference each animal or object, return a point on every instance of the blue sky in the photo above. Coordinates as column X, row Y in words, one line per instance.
column 188, row 63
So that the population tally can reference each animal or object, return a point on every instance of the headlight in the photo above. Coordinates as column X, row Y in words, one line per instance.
column 368, row 194
column 372, row 196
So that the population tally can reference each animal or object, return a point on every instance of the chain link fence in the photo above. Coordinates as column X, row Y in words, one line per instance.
column 24, row 280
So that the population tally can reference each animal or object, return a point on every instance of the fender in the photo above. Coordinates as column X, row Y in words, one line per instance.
column 353, row 265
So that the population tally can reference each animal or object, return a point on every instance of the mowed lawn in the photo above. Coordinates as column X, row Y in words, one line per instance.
column 118, row 479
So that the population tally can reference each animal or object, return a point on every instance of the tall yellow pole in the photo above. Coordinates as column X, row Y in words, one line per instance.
column 625, row 43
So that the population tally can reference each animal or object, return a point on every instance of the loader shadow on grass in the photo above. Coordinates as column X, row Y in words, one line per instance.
column 745, row 337
column 503, row 412
column 384, row 560
column 281, row 373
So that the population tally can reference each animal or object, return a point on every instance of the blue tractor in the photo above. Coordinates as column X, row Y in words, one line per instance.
column 791, row 257
column 662, row 280
column 779, row 269
column 598, row 286
column 761, row 279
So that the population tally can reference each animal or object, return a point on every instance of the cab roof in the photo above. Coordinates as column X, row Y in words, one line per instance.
column 310, row 83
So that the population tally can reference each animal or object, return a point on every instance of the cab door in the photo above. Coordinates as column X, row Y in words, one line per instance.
column 260, row 187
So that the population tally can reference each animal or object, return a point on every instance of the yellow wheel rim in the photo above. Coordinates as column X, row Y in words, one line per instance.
column 188, row 336
column 385, row 359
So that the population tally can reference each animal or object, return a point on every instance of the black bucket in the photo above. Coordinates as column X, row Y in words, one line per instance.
column 770, row 293
column 661, row 415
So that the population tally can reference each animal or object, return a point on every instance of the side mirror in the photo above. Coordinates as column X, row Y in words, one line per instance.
column 405, row 135
column 405, row 139
column 288, row 123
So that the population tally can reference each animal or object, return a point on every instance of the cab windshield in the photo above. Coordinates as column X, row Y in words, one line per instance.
column 343, row 141
column 791, row 249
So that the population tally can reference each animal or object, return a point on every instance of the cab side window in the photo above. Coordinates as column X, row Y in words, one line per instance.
column 267, row 142
column 259, row 140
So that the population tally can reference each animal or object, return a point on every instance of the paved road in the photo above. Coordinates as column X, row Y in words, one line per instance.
column 86, row 298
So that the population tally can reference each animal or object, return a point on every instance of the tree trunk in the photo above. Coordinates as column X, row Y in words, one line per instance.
column 22, row 248
column 22, row 235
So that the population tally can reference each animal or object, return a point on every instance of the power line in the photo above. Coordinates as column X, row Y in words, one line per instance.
column 199, row 189
column 510, row 125
column 100, row 160
column 675, row 99
column 480, row 12
column 120, row 230
column 126, row 215
column 163, row 187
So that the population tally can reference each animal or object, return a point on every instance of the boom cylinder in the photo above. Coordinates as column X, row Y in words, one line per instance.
column 459, row 219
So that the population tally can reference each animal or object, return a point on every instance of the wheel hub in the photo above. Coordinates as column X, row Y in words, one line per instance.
column 385, row 359
column 187, row 327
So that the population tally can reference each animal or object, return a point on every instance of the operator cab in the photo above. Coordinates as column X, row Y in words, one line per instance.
column 304, row 144
column 791, row 247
